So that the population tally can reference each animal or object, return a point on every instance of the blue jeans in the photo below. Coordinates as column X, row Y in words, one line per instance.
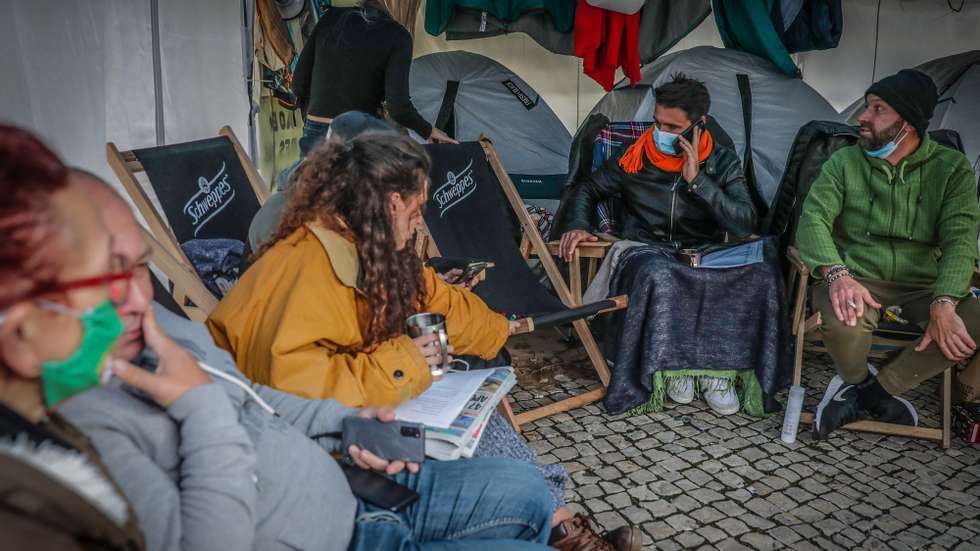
column 314, row 132
column 470, row 504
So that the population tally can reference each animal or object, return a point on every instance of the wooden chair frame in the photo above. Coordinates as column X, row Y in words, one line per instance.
column 425, row 246
column 806, row 329
column 167, row 254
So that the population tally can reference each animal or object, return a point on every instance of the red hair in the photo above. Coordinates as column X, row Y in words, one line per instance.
column 29, row 252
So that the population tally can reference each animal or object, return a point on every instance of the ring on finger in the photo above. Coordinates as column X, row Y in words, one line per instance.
column 851, row 304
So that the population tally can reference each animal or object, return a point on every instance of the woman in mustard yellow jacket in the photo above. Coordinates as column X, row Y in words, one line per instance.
column 322, row 312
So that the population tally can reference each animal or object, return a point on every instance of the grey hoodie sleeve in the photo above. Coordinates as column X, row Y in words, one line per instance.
column 317, row 419
column 212, row 504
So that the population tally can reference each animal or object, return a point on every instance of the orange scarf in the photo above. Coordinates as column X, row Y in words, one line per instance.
column 632, row 160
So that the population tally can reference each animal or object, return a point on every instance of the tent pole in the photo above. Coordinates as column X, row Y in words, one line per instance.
column 157, row 71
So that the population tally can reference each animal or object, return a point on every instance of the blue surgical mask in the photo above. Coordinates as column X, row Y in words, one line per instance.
column 887, row 149
column 666, row 141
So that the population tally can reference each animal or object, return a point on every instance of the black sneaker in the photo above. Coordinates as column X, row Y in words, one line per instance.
column 883, row 406
column 838, row 407
column 895, row 410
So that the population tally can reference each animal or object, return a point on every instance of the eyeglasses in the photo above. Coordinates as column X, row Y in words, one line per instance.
column 116, row 282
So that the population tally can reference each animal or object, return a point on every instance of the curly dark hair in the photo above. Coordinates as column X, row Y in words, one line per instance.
column 347, row 189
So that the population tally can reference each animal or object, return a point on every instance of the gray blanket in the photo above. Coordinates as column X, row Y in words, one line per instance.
column 683, row 318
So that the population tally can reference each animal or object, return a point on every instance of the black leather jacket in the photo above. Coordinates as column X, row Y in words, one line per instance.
column 661, row 207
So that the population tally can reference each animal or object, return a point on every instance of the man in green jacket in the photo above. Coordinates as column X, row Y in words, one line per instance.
column 891, row 220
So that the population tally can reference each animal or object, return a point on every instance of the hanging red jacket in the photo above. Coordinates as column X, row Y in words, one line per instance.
column 606, row 40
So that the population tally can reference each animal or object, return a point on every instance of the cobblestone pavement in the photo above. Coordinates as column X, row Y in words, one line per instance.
column 692, row 479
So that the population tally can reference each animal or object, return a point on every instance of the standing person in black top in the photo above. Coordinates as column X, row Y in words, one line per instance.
column 355, row 59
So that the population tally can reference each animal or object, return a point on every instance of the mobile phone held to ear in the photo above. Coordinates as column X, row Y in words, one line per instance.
column 689, row 133
column 397, row 440
column 377, row 489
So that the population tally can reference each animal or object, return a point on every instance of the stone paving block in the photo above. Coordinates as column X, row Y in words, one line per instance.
column 760, row 541
column 731, row 544
column 689, row 540
column 733, row 526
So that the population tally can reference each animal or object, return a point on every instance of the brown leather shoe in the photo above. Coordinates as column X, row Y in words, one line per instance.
column 578, row 534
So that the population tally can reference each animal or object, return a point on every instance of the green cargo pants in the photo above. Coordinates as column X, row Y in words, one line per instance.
column 849, row 346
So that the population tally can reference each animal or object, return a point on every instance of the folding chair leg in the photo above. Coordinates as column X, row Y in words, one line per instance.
column 508, row 414
column 947, row 405
column 798, row 354
column 564, row 405
column 592, row 348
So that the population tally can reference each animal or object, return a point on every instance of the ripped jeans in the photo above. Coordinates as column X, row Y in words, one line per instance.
column 483, row 503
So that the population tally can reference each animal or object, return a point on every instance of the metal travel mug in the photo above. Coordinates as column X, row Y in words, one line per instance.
column 428, row 324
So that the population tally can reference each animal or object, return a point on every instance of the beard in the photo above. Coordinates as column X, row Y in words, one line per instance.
column 877, row 140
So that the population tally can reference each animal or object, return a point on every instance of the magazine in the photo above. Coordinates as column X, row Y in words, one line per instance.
column 460, row 437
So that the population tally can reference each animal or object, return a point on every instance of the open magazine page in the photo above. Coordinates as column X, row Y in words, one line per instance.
column 440, row 405
column 464, row 433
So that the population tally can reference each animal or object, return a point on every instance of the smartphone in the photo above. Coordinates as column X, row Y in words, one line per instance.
column 689, row 133
column 397, row 440
column 471, row 270
column 377, row 489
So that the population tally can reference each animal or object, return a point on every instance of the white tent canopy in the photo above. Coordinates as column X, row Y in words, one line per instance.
column 958, row 79
column 780, row 104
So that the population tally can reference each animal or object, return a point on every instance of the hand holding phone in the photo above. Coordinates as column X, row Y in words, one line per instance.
column 384, row 444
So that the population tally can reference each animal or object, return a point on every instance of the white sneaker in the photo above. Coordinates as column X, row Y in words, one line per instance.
column 720, row 395
column 681, row 389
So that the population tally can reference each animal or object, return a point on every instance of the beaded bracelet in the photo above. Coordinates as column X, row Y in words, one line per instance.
column 835, row 269
column 947, row 300
column 839, row 274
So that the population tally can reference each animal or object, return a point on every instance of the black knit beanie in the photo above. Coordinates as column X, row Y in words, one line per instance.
column 912, row 94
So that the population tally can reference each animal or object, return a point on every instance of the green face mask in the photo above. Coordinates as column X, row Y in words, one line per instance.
column 101, row 327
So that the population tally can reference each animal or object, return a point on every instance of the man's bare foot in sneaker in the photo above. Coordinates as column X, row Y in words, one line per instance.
column 578, row 534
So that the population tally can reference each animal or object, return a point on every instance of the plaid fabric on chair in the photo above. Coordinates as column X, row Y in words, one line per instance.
column 610, row 143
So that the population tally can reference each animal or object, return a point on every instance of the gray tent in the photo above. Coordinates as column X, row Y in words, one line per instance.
column 468, row 94
column 780, row 104
column 957, row 77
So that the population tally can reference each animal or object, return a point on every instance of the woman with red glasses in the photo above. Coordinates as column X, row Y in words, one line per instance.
column 57, row 326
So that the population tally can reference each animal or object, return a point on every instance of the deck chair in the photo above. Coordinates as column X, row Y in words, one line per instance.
column 471, row 200
column 192, row 195
column 186, row 290
column 815, row 143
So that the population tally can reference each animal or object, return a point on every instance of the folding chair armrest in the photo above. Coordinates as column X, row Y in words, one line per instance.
column 796, row 261
column 612, row 304
column 586, row 249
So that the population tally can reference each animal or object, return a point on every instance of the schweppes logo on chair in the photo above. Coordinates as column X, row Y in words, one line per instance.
column 213, row 195
column 458, row 186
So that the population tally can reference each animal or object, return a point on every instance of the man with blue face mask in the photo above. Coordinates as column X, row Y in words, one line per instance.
column 892, row 220
column 679, row 190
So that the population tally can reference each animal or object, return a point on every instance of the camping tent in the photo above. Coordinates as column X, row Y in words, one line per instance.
column 780, row 104
column 957, row 77
column 468, row 94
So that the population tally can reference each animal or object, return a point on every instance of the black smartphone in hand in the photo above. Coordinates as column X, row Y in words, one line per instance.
column 392, row 441
column 689, row 133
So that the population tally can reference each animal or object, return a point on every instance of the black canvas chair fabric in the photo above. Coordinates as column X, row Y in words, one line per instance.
column 203, row 189
column 469, row 217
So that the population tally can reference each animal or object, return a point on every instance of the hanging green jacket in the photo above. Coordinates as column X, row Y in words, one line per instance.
column 439, row 12
column 911, row 223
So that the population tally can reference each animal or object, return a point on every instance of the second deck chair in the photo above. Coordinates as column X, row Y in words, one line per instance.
column 191, row 194
column 814, row 144
column 469, row 213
